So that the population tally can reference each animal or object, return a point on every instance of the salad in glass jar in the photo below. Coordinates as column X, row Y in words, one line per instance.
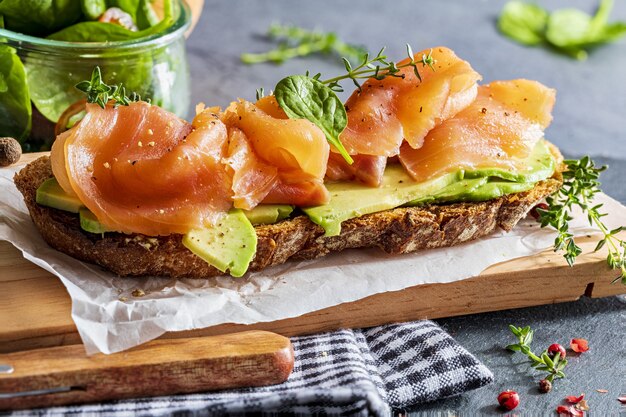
column 47, row 47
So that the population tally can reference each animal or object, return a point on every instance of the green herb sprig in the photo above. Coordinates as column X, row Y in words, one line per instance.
column 379, row 68
column 309, row 97
column 569, row 31
column 553, row 366
column 101, row 93
column 580, row 185
column 297, row 42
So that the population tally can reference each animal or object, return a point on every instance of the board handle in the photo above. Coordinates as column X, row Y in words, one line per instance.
column 66, row 375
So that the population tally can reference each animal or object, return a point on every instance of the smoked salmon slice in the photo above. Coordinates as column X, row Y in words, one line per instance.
column 498, row 130
column 141, row 169
column 368, row 169
column 384, row 113
column 296, row 149
column 253, row 179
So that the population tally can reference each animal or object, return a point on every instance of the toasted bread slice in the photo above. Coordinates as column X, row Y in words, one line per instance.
column 397, row 231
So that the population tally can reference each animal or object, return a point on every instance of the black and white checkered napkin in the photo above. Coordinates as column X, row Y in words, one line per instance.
column 349, row 372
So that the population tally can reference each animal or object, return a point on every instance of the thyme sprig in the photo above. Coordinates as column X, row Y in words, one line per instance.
column 297, row 42
column 101, row 93
column 378, row 67
column 553, row 366
column 580, row 185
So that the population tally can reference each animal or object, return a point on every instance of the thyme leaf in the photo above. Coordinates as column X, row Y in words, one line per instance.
column 309, row 92
column 297, row 42
column 379, row 67
column 580, row 185
column 543, row 362
column 99, row 92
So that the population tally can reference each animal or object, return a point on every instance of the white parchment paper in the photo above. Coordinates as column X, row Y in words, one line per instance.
column 110, row 319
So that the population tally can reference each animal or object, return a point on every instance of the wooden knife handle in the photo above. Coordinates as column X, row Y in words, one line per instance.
column 159, row 367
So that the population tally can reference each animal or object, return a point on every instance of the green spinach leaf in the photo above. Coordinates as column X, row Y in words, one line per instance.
column 39, row 17
column 303, row 97
column 107, row 32
column 146, row 15
column 141, row 11
column 523, row 22
column 52, row 87
column 568, row 27
column 95, row 32
column 569, row 31
column 614, row 31
column 15, row 107
column 93, row 9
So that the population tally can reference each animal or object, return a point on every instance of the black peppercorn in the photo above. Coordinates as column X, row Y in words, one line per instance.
column 545, row 386
column 10, row 151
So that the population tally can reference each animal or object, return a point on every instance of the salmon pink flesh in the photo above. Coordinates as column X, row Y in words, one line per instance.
column 382, row 114
column 141, row 169
column 498, row 130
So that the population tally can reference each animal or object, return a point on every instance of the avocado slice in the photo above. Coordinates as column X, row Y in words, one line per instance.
column 268, row 213
column 350, row 200
column 494, row 189
column 228, row 245
column 89, row 222
column 540, row 162
column 474, row 189
column 51, row 194
column 464, row 187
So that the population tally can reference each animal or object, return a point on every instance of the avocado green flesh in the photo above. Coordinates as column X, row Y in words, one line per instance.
column 230, row 245
column 268, row 213
column 474, row 189
column 350, row 200
column 89, row 222
column 453, row 191
column 540, row 165
column 50, row 194
column 495, row 189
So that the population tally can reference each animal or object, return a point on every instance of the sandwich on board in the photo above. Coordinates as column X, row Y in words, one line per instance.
column 421, row 157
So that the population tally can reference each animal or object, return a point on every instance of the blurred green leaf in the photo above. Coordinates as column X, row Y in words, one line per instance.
column 523, row 22
column 568, row 27
column 570, row 31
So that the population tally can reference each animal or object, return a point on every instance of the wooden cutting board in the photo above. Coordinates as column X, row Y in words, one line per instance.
column 35, row 307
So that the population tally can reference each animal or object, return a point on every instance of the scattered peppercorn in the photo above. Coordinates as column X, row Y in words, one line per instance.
column 572, row 399
column 508, row 399
column 583, row 405
column 545, row 386
column 579, row 345
column 568, row 410
column 555, row 348
column 10, row 151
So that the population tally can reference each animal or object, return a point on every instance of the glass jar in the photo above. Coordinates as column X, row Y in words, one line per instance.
column 155, row 67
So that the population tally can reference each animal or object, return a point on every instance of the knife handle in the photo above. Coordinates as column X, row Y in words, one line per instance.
column 159, row 367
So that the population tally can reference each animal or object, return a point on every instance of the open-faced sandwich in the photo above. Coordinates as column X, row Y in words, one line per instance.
column 421, row 157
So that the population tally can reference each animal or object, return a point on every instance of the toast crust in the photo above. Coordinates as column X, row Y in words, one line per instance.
column 396, row 231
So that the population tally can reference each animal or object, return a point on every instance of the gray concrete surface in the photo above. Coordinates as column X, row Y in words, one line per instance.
column 589, row 118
